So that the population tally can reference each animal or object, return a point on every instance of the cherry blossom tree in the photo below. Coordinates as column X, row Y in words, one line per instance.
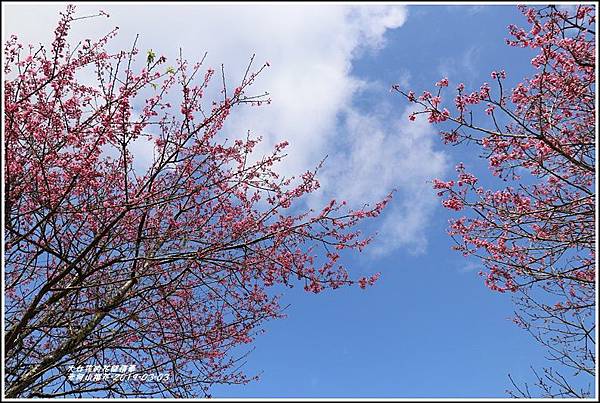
column 152, row 279
column 533, row 228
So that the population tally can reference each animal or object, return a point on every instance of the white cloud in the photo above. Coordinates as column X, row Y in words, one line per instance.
column 470, row 267
column 311, row 49
column 387, row 152
column 463, row 64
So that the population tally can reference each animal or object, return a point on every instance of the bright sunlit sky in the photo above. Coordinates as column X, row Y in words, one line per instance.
column 429, row 327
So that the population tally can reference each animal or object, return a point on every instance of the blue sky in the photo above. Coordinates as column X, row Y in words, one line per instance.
column 429, row 327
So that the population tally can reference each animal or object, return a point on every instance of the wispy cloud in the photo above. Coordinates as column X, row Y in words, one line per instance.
column 470, row 267
column 385, row 152
column 465, row 64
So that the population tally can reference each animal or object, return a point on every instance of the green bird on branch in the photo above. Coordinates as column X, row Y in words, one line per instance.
column 150, row 57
